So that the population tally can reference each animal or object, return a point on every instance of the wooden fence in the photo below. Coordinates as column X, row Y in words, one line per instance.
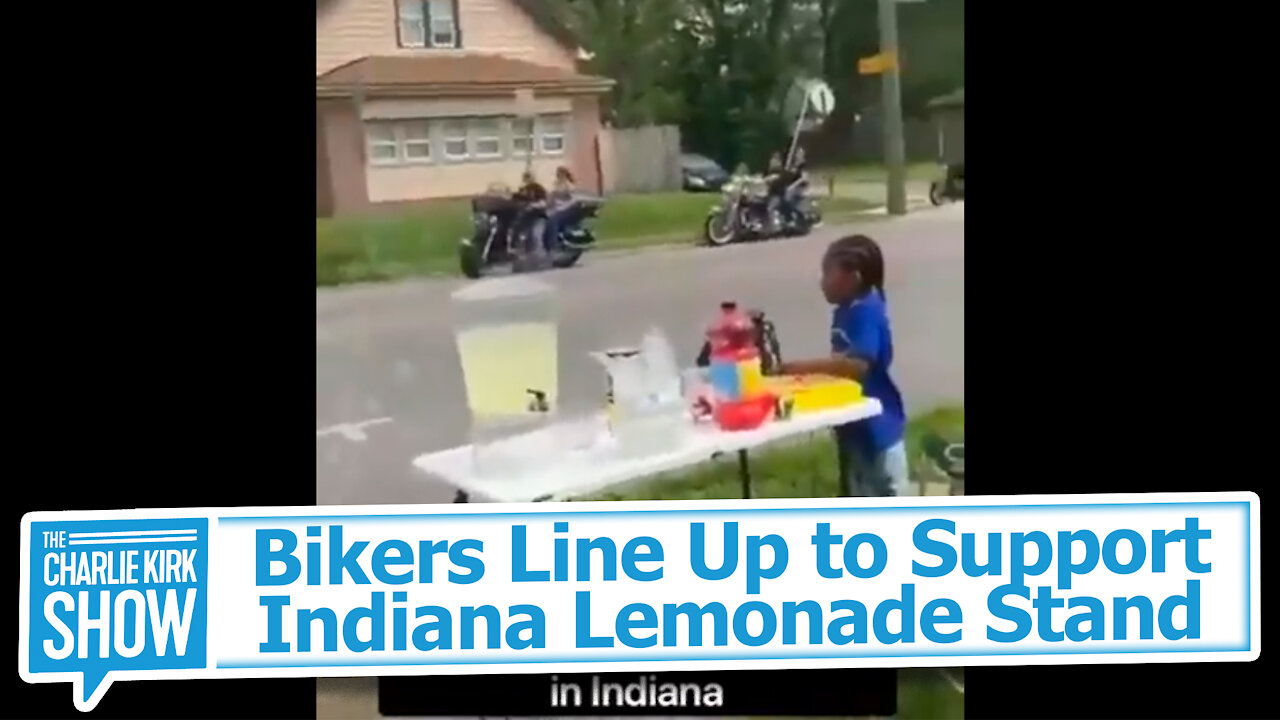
column 644, row 159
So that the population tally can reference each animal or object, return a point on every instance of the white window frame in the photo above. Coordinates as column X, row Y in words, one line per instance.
column 561, row 134
column 441, row 13
column 420, row 20
column 402, row 134
column 429, row 18
column 372, row 142
column 495, row 137
column 461, row 125
column 531, row 137
column 400, row 141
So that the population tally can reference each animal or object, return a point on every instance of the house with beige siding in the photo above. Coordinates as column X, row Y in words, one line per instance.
column 423, row 99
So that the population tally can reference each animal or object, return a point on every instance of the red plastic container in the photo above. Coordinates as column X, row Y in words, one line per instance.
column 744, row 414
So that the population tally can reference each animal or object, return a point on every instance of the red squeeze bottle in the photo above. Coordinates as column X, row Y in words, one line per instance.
column 732, row 340
column 732, row 333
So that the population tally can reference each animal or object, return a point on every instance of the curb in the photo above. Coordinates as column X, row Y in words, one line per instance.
column 913, row 204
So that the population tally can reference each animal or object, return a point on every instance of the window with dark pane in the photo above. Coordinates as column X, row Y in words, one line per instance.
column 427, row 23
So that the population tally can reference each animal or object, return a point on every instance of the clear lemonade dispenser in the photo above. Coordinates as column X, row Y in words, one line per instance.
column 506, row 335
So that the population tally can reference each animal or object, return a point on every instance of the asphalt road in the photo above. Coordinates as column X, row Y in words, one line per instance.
column 388, row 385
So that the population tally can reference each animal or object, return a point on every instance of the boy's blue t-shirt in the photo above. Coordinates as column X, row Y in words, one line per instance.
column 860, row 329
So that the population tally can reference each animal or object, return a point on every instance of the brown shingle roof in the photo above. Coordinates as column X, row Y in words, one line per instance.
column 464, row 74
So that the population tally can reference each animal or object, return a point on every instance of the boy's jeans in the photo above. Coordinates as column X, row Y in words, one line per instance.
column 884, row 475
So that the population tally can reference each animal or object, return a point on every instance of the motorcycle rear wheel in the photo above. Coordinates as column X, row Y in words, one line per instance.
column 565, row 258
column 469, row 261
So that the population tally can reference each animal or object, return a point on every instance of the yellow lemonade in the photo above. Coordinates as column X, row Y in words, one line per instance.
column 501, row 364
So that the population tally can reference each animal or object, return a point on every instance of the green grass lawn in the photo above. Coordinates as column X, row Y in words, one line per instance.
column 875, row 172
column 788, row 470
column 867, row 181
column 424, row 241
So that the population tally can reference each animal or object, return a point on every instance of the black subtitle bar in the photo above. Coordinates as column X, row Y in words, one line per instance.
column 742, row 692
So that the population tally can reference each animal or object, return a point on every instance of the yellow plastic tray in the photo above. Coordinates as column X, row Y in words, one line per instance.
column 813, row 393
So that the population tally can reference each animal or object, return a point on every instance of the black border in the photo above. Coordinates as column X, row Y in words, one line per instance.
column 160, row 355
column 1102, row 282
column 161, row 318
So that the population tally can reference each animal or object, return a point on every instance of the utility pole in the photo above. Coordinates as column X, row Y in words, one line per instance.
column 895, row 154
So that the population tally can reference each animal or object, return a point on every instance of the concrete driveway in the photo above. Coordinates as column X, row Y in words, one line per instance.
column 388, row 385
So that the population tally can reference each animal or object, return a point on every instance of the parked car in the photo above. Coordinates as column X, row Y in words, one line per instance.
column 702, row 174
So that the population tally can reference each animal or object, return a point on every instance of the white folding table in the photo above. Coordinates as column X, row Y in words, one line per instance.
column 591, row 471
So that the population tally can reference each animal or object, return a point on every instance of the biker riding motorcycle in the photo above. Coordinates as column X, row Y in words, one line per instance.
column 533, row 199
column 784, row 182
column 558, row 205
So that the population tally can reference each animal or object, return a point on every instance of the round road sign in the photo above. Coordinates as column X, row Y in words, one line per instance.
column 821, row 100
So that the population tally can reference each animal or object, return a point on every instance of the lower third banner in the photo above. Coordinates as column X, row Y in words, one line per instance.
column 636, row 588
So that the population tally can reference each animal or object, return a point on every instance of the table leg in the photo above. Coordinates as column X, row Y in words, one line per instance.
column 744, row 474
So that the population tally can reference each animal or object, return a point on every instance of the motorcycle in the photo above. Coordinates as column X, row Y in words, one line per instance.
column 950, row 188
column 744, row 213
column 505, row 229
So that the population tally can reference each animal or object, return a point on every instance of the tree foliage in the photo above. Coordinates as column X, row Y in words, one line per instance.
column 720, row 68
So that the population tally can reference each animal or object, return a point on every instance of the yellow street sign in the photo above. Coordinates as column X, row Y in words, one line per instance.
column 877, row 64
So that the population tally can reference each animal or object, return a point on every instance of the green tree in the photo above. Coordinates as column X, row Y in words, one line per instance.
column 720, row 68
column 630, row 41
column 931, row 50
column 738, row 59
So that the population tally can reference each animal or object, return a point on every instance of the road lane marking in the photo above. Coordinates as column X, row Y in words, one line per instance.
column 353, row 431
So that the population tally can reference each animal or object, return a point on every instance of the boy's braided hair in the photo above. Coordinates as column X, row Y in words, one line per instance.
column 859, row 253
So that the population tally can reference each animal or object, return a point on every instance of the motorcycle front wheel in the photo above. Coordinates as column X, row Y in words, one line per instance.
column 720, row 229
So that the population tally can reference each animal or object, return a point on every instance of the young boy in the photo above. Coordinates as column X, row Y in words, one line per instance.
column 871, row 453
